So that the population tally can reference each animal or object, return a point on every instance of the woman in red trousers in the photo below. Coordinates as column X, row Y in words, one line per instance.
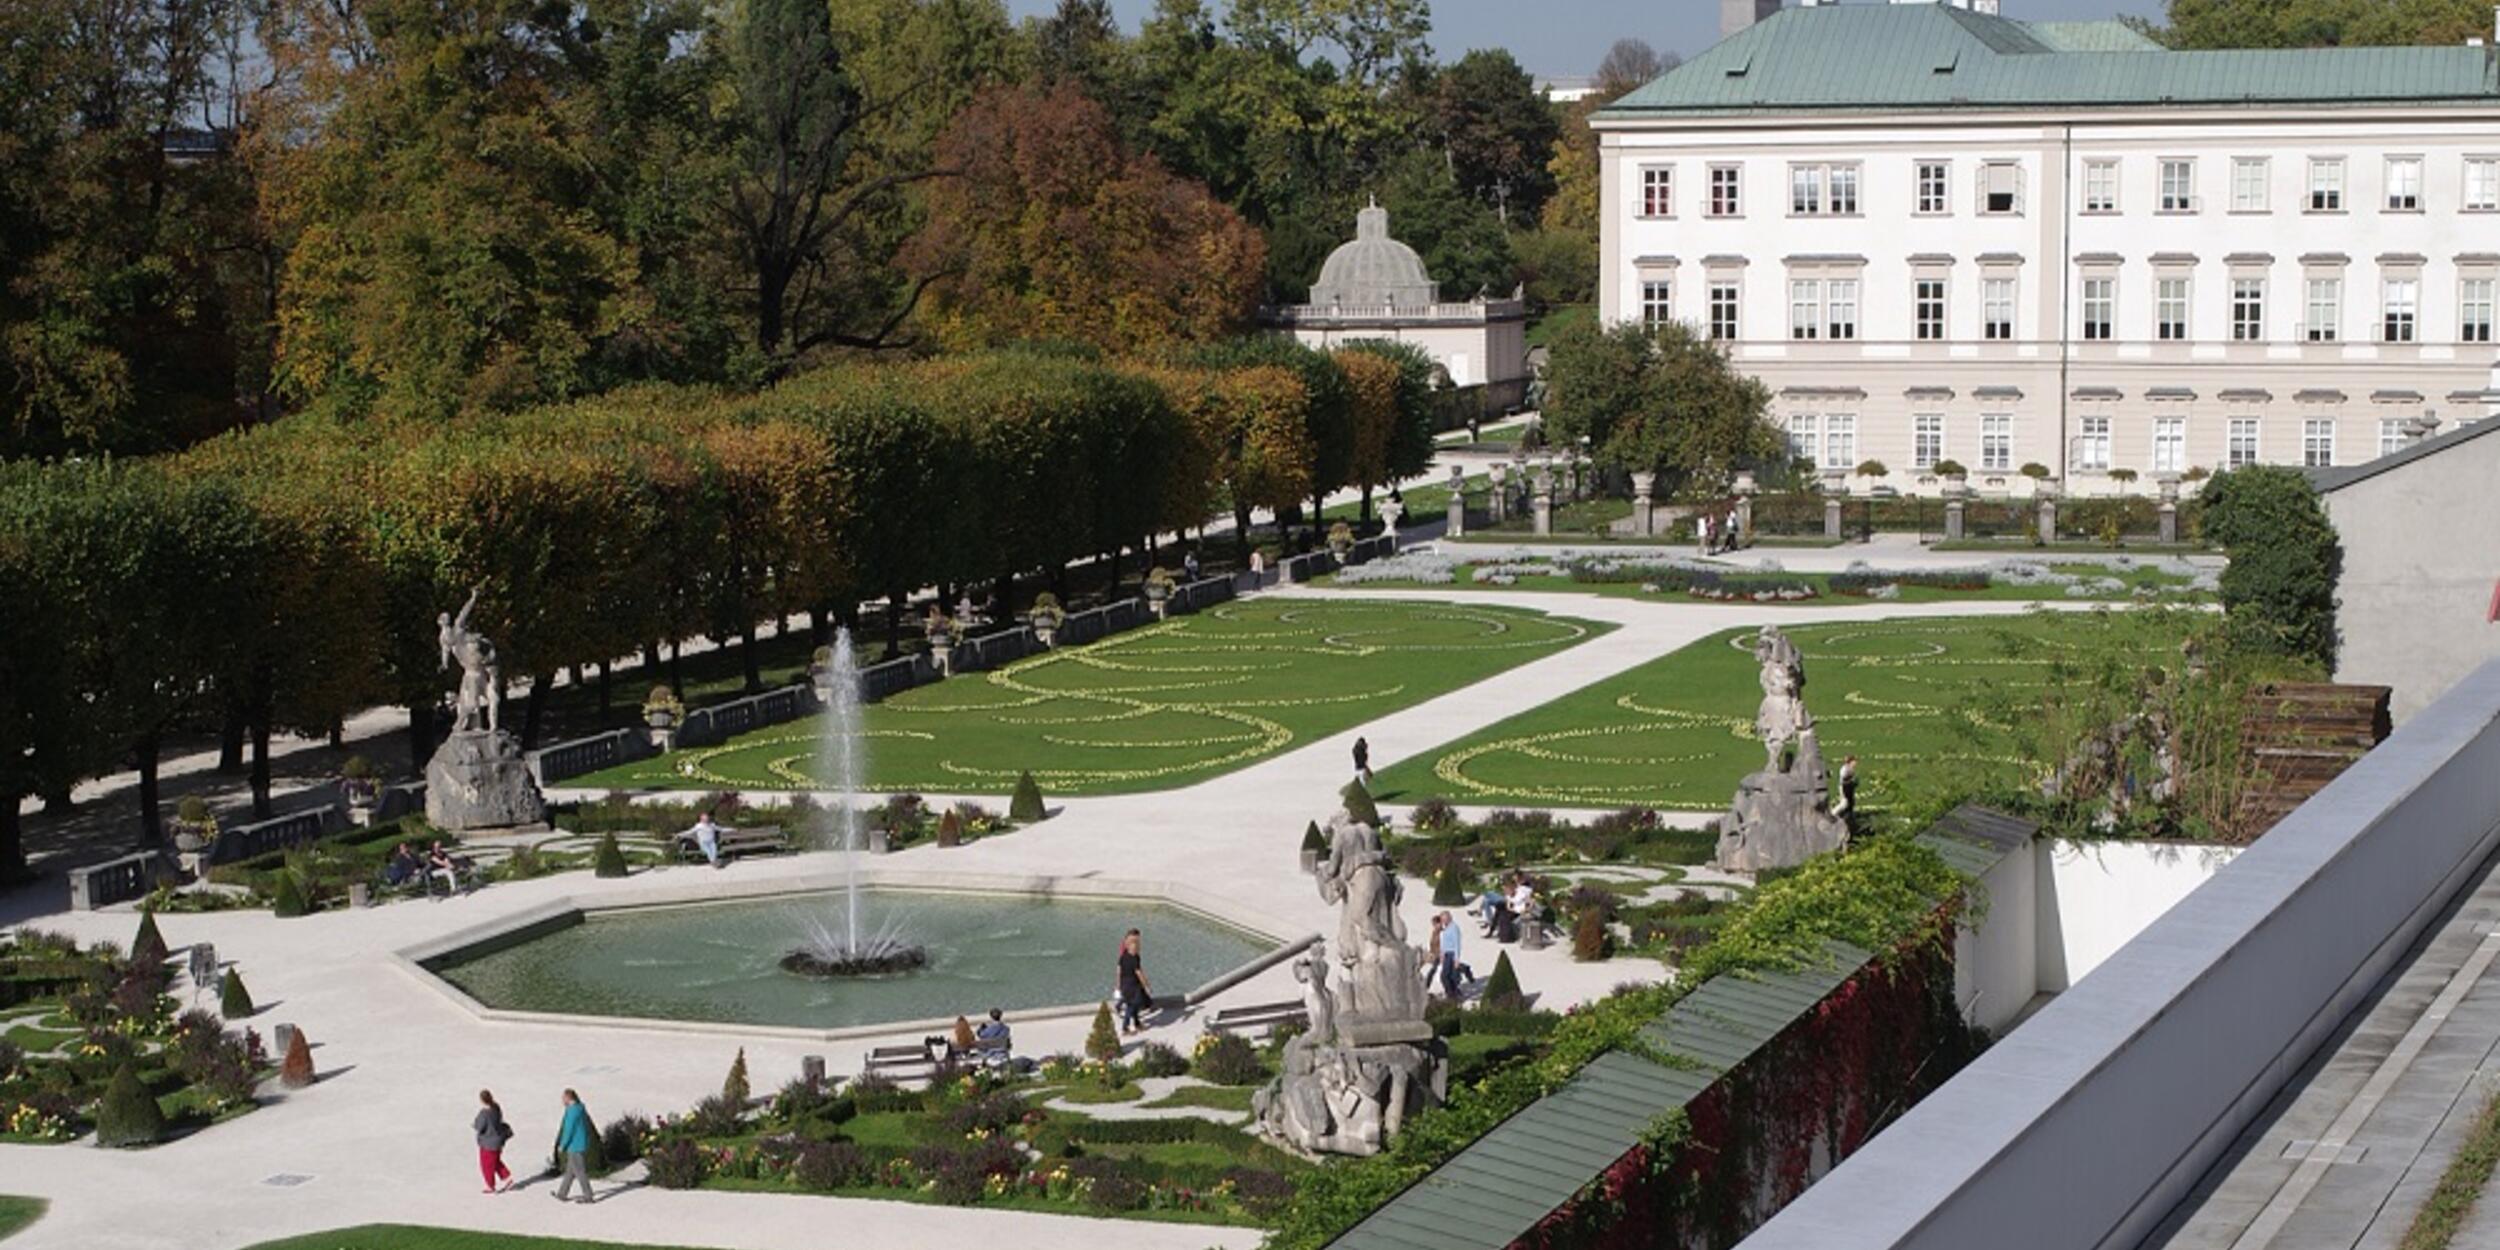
column 492, row 1135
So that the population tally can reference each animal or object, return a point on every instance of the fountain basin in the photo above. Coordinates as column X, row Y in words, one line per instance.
column 718, row 962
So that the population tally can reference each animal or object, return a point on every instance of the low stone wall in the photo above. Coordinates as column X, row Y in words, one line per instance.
column 239, row 842
column 115, row 880
column 589, row 755
column 2152, row 1066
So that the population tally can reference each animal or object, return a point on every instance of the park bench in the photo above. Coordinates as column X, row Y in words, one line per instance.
column 1263, row 1018
column 901, row 1062
column 756, row 840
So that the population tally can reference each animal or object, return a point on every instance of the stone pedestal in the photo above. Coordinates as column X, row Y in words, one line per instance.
column 480, row 780
column 2169, row 509
column 2048, row 519
column 1644, row 511
column 1781, row 819
column 1831, row 517
column 1501, row 493
column 1953, row 519
column 812, row 1070
column 1541, row 504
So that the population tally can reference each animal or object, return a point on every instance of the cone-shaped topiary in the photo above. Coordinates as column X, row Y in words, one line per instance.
column 1359, row 805
column 147, row 947
column 296, row 1071
column 1026, row 806
column 1103, row 1041
column 950, row 830
column 127, row 1115
column 1501, row 990
column 289, row 896
column 609, row 859
column 1450, row 888
column 1311, row 839
column 1589, row 937
column 735, row 1090
column 233, row 1001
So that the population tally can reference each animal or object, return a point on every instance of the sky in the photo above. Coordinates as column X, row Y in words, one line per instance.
column 1567, row 37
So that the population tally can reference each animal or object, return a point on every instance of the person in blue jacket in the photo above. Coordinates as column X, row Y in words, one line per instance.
column 573, row 1143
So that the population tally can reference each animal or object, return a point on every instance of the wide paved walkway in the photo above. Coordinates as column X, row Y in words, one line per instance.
column 2348, row 1153
column 384, row 1136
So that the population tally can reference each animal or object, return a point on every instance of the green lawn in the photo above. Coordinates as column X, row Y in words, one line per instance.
column 407, row 1237
column 1678, row 731
column 1427, row 502
column 1156, row 707
column 16, row 1213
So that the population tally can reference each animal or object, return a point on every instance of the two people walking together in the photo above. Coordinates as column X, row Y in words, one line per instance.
column 573, row 1141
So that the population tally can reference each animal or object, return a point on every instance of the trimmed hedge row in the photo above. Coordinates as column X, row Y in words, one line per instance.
column 290, row 575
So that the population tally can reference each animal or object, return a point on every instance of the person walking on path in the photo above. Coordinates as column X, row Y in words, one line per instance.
column 573, row 1144
column 1448, row 947
column 492, row 1134
column 1432, row 948
column 1258, row 568
column 1363, row 761
column 1135, row 996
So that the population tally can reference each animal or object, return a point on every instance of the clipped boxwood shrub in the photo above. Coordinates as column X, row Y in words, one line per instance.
column 233, row 1001
column 1359, row 805
column 1157, row 1059
column 288, row 899
column 1501, row 990
column 147, row 947
column 1449, row 889
column 127, row 1115
column 1026, row 807
column 1103, row 1040
column 609, row 859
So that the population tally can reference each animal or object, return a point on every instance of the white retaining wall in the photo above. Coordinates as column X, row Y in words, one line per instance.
column 2086, row 1126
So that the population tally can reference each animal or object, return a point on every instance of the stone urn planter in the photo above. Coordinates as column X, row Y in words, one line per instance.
column 1046, row 618
column 663, row 715
column 942, row 650
column 1046, row 630
column 193, row 826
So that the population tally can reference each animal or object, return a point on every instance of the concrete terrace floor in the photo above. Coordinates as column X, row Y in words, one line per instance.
column 2349, row 1152
column 383, row 1137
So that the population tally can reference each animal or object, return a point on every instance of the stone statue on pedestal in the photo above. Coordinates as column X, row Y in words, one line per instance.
column 1368, row 1059
column 478, row 779
column 481, row 682
column 1782, row 815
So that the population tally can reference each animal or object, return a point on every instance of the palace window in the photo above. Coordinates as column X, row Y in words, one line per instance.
column 2326, row 184
column 2100, row 307
column 2248, row 310
column 1926, row 440
column 1996, row 443
column 1658, row 191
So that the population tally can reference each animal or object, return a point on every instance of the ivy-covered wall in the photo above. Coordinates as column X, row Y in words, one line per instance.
column 1785, row 1116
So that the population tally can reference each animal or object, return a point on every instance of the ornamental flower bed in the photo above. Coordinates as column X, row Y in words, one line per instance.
column 974, row 1138
column 93, row 1012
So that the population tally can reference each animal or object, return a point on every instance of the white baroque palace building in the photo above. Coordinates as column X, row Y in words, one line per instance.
column 1939, row 234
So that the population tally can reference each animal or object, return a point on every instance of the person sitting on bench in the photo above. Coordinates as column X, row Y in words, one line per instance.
column 993, row 1041
column 439, row 863
column 403, row 867
column 706, row 837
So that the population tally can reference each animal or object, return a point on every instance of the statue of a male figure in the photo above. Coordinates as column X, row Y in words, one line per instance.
column 1782, row 718
column 481, row 691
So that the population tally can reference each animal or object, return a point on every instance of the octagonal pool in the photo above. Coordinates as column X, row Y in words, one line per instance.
column 720, row 962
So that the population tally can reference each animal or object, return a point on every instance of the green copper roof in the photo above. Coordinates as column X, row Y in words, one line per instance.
column 1932, row 56
column 1496, row 1189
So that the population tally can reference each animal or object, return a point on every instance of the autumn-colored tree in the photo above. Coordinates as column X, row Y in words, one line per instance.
column 1051, row 230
